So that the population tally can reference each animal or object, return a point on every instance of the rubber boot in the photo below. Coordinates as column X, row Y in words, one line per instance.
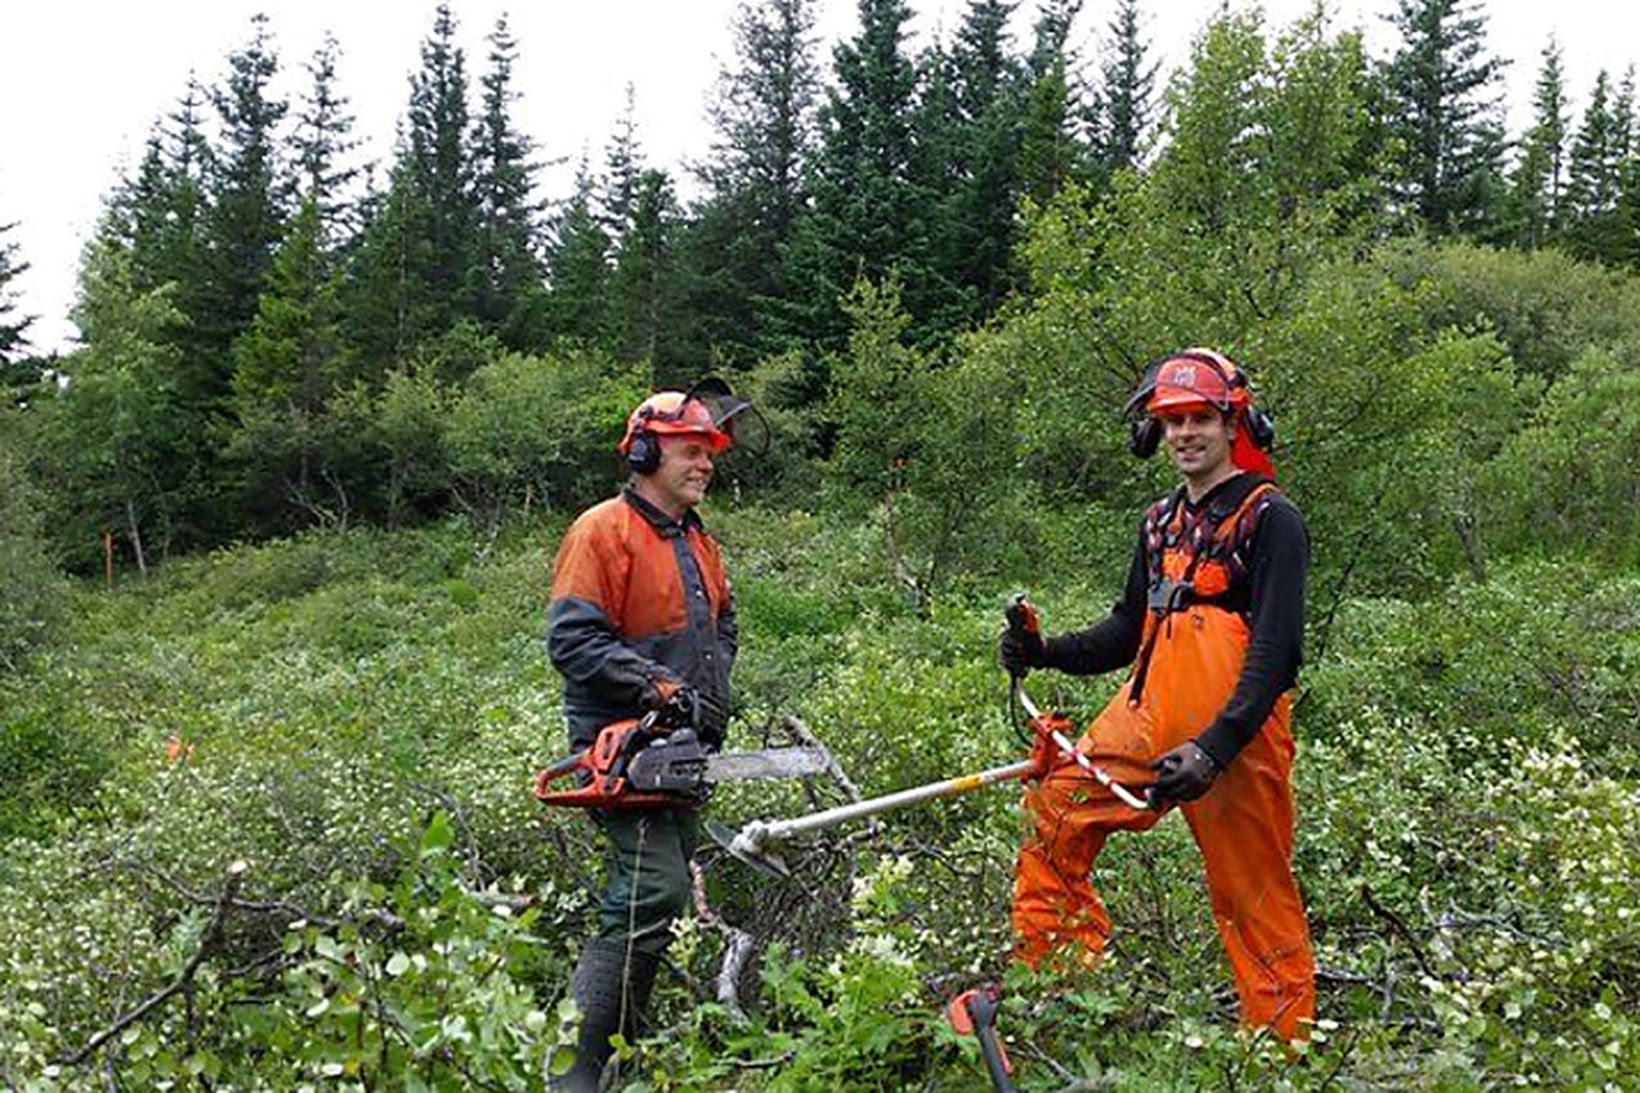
column 605, row 964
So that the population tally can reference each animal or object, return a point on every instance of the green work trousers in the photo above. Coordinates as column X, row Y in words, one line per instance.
column 649, row 883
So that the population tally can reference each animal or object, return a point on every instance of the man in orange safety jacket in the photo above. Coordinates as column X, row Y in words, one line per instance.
column 642, row 618
column 1211, row 620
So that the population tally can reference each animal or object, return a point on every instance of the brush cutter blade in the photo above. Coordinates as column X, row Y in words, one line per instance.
column 747, row 847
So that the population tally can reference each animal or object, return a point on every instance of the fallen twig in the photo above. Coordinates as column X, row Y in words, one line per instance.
column 184, row 977
column 1398, row 925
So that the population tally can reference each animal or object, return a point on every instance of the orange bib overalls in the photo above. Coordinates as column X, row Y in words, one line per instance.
column 1190, row 660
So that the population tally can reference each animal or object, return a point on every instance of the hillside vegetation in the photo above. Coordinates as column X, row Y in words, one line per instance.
column 359, row 715
column 266, row 820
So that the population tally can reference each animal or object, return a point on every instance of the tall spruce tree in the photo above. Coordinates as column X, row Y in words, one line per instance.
column 1540, row 175
column 1445, row 113
column 1127, row 92
column 439, row 169
column 160, row 218
column 644, row 288
column 322, row 142
column 623, row 165
column 509, row 290
column 390, row 307
column 578, row 271
column 763, row 121
column 13, row 324
column 292, row 357
column 249, row 197
column 973, row 238
column 1628, row 213
column 409, row 279
column 869, row 214
column 1627, row 251
column 1051, row 154
column 1593, row 225
column 18, row 371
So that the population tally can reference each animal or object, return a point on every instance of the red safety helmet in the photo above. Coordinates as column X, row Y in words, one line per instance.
column 674, row 413
column 1198, row 377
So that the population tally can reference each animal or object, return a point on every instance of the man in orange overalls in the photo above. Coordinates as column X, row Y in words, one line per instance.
column 1212, row 621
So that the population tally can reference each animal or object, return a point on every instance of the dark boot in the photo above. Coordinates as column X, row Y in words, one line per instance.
column 605, row 965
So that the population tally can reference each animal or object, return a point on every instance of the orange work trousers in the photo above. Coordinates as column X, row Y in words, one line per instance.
column 1243, row 825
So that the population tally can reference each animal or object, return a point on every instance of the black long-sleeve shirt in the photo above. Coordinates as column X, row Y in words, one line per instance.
column 1271, row 599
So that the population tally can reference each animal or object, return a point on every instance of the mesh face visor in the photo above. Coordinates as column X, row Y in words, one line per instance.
column 733, row 417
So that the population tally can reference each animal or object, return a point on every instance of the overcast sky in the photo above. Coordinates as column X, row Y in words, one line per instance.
column 81, row 83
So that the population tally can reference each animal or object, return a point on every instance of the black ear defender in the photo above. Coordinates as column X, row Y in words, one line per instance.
column 1261, row 428
column 643, row 455
column 1145, row 434
column 1146, row 437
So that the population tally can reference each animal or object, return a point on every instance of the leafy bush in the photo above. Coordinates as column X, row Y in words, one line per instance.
column 32, row 593
column 526, row 431
column 1569, row 475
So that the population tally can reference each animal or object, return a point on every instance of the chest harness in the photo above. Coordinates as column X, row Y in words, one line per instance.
column 1198, row 556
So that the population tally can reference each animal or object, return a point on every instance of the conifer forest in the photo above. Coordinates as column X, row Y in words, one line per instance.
column 277, row 537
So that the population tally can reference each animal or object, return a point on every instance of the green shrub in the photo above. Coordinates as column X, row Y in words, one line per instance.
column 32, row 593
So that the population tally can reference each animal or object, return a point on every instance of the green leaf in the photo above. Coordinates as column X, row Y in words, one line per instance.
column 438, row 836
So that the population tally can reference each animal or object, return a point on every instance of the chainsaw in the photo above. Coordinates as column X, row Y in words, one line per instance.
column 643, row 763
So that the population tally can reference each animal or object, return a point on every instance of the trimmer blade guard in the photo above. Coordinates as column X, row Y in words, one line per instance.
column 746, row 846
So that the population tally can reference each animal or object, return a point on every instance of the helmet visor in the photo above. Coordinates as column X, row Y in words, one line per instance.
column 731, row 416
column 710, row 409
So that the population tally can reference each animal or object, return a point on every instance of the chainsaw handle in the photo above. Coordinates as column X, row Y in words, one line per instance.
column 563, row 767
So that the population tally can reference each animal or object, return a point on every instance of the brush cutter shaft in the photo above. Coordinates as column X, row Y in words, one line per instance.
column 779, row 830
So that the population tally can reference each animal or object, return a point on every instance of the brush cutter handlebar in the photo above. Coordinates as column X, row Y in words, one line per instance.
column 1062, row 745
column 1022, row 617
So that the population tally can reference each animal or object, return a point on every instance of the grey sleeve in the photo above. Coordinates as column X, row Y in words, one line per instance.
column 583, row 645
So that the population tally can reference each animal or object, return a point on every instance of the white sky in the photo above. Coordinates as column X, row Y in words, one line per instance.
column 82, row 82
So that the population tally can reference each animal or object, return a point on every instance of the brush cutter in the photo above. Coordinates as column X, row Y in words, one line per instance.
column 646, row 764
column 760, row 842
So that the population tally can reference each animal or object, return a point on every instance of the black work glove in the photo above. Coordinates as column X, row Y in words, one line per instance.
column 676, row 705
column 1021, row 650
column 1183, row 774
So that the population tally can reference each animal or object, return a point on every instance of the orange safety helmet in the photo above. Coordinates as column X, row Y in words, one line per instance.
column 1198, row 377
column 673, row 413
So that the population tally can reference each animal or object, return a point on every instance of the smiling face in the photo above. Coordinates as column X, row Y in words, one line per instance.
column 680, row 482
column 1198, row 438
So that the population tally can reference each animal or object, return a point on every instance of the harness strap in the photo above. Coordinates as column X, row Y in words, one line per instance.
column 1180, row 595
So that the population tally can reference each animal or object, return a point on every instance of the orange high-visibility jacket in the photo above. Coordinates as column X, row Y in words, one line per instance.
column 639, row 598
